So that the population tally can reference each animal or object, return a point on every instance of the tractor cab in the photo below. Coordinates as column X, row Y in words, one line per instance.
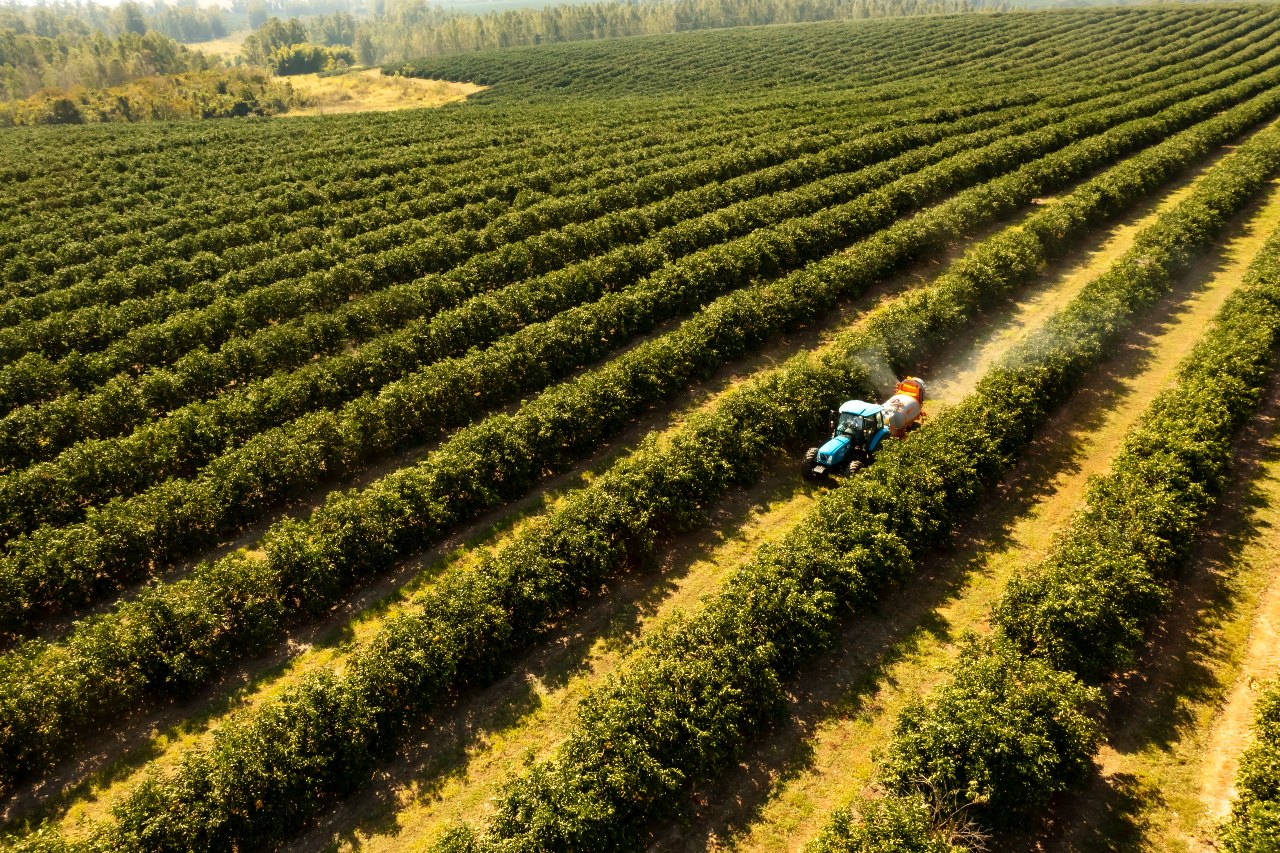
column 858, row 430
column 856, row 425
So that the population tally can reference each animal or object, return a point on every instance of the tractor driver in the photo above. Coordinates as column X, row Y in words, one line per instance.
column 850, row 425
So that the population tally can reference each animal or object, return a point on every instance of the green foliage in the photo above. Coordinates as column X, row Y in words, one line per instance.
column 999, row 740
column 621, row 768
column 1254, row 825
column 673, row 59
column 1087, row 608
column 891, row 823
column 283, row 47
column 131, row 20
column 183, row 22
column 206, row 94
column 1083, row 612
column 358, row 302
column 265, row 42
column 356, row 534
column 30, row 63
column 338, row 29
column 310, row 58
column 408, row 31
column 166, row 521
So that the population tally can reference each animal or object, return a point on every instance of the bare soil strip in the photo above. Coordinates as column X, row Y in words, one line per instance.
column 1229, row 730
column 457, row 776
column 825, row 753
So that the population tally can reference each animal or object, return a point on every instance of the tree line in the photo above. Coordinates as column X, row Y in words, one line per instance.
column 81, row 62
column 411, row 28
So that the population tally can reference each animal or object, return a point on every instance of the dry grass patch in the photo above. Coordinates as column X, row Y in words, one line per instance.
column 227, row 47
column 372, row 91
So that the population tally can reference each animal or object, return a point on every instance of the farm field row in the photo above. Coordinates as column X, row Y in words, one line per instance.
column 87, row 645
column 465, row 786
column 101, row 801
column 114, row 523
column 445, row 494
column 778, row 611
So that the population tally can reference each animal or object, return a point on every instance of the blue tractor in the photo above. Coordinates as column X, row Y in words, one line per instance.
column 861, row 428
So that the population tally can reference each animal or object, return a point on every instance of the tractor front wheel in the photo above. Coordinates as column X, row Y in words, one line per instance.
column 810, row 460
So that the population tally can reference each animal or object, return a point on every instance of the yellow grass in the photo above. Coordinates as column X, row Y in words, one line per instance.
column 227, row 47
column 372, row 91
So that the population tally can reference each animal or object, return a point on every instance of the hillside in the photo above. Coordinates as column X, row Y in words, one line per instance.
column 432, row 479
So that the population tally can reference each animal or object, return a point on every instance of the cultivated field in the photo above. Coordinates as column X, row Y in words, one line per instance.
column 430, row 480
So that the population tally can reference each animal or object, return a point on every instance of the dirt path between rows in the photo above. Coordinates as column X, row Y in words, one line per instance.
column 1229, row 733
column 843, row 713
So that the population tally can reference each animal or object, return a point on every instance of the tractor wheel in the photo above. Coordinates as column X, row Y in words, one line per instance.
column 810, row 460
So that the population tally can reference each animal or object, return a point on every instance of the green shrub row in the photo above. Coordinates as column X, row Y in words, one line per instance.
column 1012, row 729
column 153, row 171
column 40, row 431
column 635, row 241
column 472, row 621
column 1079, row 617
column 60, row 566
column 379, row 196
column 111, row 270
column 391, row 165
column 150, row 172
column 887, row 824
column 1085, row 609
column 599, row 68
column 204, row 301
column 354, row 174
column 173, row 274
column 781, row 231
column 682, row 707
column 35, row 377
column 378, row 157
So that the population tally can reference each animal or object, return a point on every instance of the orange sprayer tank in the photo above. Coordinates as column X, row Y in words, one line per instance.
column 903, row 408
